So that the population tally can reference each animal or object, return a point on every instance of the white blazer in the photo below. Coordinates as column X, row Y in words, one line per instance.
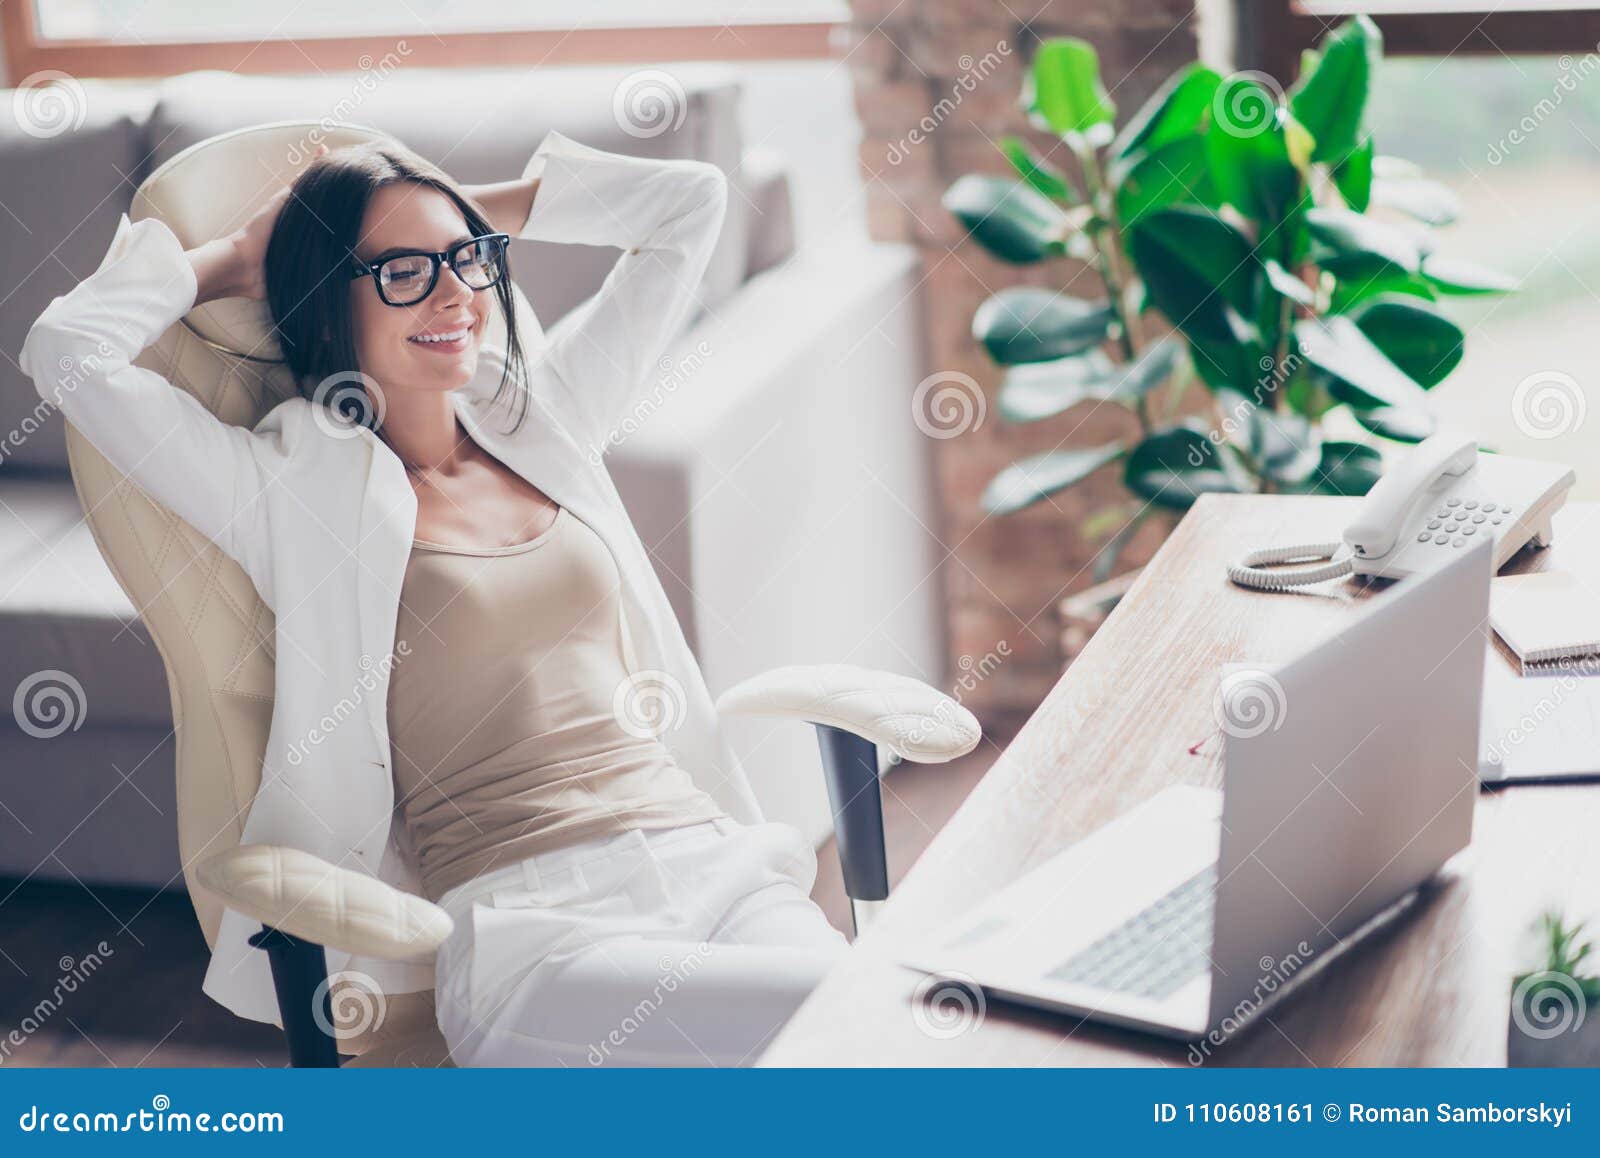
column 320, row 514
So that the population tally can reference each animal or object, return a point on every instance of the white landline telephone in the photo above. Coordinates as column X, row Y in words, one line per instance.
column 1435, row 501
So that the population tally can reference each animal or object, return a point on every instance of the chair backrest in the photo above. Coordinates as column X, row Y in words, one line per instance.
column 214, row 633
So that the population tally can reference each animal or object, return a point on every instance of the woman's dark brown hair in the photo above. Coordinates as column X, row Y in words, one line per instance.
column 309, row 261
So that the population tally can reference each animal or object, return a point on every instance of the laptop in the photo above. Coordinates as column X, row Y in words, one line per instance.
column 1350, row 773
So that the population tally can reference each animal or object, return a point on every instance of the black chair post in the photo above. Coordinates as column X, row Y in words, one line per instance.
column 850, row 767
column 299, row 972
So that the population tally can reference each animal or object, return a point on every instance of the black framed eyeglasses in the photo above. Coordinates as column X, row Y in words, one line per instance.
column 404, row 279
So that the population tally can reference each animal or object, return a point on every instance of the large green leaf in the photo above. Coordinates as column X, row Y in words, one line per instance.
column 1009, row 219
column 1331, row 97
column 1248, row 148
column 1413, row 335
column 1427, row 201
column 1400, row 425
column 1177, row 110
column 1352, row 176
column 1044, row 389
column 1063, row 91
column 1195, row 266
column 1361, row 375
column 1174, row 173
column 1237, row 360
column 1352, row 244
column 1351, row 291
column 1030, row 324
column 1452, row 276
column 1173, row 467
column 1028, row 480
column 1347, row 468
column 1037, row 172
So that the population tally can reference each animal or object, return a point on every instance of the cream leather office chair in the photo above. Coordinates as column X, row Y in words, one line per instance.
column 216, row 638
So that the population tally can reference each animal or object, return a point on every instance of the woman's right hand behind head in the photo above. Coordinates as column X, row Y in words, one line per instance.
column 235, row 266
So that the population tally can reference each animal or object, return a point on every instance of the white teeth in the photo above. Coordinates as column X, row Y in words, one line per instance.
column 453, row 336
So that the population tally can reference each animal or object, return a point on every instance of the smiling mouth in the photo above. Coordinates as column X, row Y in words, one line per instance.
column 445, row 341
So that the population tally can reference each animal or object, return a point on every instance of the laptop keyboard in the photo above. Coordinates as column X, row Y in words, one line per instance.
column 1157, row 951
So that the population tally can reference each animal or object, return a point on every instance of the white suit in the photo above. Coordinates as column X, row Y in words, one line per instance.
column 320, row 514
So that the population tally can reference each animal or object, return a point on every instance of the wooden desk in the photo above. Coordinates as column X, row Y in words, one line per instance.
column 1432, row 988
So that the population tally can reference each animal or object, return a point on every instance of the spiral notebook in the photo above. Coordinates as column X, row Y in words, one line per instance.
column 1550, row 621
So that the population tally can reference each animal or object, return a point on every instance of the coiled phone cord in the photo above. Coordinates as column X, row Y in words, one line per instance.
column 1251, row 571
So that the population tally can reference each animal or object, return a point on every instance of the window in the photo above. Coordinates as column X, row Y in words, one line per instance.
column 160, row 37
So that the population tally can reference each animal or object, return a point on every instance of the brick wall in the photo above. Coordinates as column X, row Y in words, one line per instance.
column 936, row 85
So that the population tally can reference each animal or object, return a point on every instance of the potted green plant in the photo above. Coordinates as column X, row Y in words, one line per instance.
column 1227, row 223
column 1555, row 1009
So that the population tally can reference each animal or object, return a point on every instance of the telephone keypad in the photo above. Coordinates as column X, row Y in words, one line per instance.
column 1457, row 517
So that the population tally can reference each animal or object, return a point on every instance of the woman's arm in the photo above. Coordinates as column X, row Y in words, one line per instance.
column 80, row 355
column 666, row 217
column 506, row 203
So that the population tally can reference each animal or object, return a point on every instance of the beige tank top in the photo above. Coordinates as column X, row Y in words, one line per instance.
column 513, row 723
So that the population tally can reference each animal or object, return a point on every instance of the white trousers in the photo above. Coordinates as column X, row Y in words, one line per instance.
column 684, row 946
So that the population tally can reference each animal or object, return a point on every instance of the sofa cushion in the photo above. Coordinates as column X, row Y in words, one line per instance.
column 62, row 192
column 61, row 611
column 483, row 125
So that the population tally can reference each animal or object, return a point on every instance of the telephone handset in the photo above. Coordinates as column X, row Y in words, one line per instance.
column 1432, row 503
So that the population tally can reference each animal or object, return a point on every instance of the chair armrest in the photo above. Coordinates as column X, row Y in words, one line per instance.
column 303, row 895
column 913, row 720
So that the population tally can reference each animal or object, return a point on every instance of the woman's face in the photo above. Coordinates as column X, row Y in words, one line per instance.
column 390, row 339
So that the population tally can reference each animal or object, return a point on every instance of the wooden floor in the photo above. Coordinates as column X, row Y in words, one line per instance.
column 111, row 977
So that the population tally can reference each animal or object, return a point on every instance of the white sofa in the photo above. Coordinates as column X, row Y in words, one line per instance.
column 777, row 476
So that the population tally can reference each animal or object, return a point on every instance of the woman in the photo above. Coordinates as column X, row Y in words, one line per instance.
column 616, row 897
